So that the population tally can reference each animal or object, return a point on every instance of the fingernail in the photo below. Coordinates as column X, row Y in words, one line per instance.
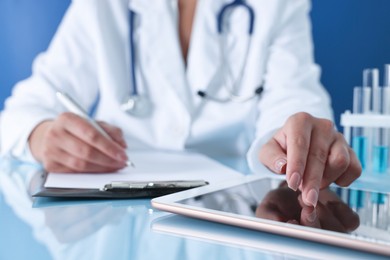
column 312, row 197
column 280, row 165
column 312, row 216
column 294, row 181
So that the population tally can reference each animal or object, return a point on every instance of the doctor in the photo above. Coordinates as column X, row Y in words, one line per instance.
column 219, row 77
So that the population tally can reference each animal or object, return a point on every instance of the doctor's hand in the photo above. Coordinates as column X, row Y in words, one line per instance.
column 312, row 154
column 70, row 144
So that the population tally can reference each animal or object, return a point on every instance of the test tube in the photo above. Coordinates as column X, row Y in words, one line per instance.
column 381, row 103
column 386, row 80
column 381, row 137
column 371, row 78
column 356, row 200
column 361, row 105
column 379, row 210
column 386, row 97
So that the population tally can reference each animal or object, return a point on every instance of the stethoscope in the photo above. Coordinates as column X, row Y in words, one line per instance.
column 139, row 105
column 135, row 104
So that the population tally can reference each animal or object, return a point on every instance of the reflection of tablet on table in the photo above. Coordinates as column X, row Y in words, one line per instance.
column 343, row 217
column 249, row 239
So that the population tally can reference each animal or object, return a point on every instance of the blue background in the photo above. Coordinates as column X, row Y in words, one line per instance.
column 349, row 36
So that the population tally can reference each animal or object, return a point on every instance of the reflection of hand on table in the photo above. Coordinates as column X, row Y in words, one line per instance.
column 70, row 224
column 280, row 204
column 285, row 205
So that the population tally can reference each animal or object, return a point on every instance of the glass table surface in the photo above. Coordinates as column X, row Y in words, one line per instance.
column 47, row 228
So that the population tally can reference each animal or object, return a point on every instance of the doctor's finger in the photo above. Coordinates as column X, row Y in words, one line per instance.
column 65, row 162
column 86, row 152
column 52, row 166
column 115, row 133
column 315, row 166
column 80, row 128
column 353, row 171
column 297, row 134
column 338, row 161
column 273, row 157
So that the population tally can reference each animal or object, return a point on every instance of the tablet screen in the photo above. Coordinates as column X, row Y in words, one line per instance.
column 364, row 215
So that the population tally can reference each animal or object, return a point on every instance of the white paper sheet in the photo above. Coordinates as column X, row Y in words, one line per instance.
column 150, row 166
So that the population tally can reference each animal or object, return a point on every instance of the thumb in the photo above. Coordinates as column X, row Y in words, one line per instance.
column 273, row 157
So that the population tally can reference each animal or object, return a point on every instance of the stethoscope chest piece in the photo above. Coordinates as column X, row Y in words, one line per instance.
column 137, row 105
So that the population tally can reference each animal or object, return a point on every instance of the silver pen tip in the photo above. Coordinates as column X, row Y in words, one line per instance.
column 130, row 163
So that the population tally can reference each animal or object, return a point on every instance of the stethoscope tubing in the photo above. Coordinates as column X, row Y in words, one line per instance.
column 221, row 16
column 134, row 90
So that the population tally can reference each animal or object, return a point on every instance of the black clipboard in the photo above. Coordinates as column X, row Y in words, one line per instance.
column 114, row 190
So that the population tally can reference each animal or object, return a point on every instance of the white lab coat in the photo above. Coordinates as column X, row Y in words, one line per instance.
column 90, row 56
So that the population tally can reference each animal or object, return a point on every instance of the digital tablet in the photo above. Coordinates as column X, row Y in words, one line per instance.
column 356, row 219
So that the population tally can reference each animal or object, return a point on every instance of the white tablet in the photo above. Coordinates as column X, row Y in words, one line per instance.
column 345, row 217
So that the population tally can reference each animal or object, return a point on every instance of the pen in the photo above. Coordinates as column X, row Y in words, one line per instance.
column 73, row 107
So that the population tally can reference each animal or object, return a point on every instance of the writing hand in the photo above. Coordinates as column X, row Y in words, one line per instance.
column 70, row 144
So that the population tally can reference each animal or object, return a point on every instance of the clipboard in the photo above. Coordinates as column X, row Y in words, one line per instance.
column 165, row 173
column 148, row 190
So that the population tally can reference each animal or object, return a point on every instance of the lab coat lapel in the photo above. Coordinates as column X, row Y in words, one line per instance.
column 159, row 38
column 204, row 55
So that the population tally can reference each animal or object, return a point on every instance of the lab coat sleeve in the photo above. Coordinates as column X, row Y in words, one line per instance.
column 67, row 65
column 291, row 79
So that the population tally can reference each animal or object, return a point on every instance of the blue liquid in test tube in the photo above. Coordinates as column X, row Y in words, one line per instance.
column 377, row 198
column 380, row 158
column 356, row 199
column 380, row 153
column 360, row 146
column 361, row 105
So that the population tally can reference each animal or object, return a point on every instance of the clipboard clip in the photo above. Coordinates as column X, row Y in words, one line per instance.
column 154, row 185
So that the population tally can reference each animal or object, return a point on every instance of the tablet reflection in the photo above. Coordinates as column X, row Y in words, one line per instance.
column 285, row 205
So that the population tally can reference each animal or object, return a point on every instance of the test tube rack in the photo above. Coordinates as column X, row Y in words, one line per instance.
column 368, row 121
